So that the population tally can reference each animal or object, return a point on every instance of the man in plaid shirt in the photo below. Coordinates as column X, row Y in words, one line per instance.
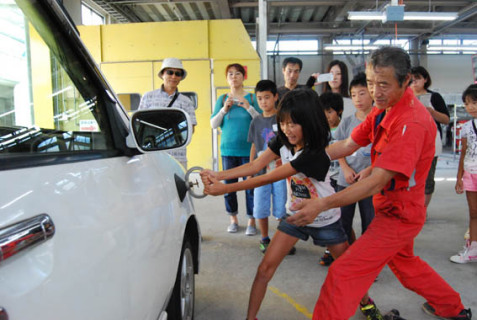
column 168, row 96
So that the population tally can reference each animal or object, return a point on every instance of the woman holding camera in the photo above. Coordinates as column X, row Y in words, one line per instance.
column 233, row 113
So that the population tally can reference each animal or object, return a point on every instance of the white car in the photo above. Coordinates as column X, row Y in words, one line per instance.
column 96, row 221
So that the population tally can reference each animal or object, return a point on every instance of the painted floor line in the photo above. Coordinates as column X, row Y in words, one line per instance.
column 437, row 179
column 303, row 310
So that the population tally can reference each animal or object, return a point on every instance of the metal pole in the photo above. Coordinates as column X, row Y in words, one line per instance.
column 262, row 38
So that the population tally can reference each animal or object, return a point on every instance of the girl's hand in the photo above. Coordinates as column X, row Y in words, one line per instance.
column 214, row 187
column 206, row 175
column 349, row 175
column 459, row 186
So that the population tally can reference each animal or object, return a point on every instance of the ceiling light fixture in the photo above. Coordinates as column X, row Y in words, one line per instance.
column 395, row 12
column 432, row 16
column 451, row 48
column 349, row 47
column 428, row 16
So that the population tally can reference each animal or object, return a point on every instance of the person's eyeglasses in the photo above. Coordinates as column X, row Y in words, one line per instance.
column 171, row 72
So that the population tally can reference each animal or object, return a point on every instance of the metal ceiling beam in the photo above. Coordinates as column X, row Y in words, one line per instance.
column 288, row 4
column 224, row 9
column 370, row 3
column 464, row 14
column 343, row 13
column 119, row 13
column 320, row 28
column 157, row 1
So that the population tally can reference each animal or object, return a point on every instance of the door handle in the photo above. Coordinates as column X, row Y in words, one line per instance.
column 25, row 234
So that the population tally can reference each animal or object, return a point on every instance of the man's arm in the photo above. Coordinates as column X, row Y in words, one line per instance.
column 342, row 148
column 309, row 209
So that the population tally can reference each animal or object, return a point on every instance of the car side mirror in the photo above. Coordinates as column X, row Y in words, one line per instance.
column 159, row 129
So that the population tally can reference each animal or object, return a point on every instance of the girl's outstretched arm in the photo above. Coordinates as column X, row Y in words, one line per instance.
column 214, row 187
column 248, row 169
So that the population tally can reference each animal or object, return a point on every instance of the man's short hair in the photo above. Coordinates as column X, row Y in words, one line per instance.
column 266, row 85
column 332, row 100
column 292, row 60
column 395, row 57
column 358, row 80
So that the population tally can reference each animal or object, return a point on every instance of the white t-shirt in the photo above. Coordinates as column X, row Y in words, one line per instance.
column 311, row 181
column 470, row 160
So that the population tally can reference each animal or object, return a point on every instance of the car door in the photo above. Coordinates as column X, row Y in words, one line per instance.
column 106, row 222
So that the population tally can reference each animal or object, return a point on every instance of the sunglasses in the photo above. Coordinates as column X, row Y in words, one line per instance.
column 171, row 72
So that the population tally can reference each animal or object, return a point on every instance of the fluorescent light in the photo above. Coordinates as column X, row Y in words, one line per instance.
column 377, row 15
column 348, row 47
column 365, row 15
column 431, row 16
column 451, row 48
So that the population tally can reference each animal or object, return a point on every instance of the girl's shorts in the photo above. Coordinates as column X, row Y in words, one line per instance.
column 323, row 236
column 470, row 181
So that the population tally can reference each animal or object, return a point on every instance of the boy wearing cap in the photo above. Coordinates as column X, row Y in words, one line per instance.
column 168, row 96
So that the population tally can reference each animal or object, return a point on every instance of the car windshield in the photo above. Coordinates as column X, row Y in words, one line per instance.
column 47, row 104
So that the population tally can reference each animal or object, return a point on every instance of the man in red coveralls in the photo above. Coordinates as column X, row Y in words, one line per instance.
column 402, row 134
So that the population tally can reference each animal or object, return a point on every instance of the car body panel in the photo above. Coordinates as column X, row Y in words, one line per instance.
column 119, row 225
column 124, row 236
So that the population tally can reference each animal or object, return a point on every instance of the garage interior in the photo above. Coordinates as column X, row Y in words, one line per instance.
column 233, row 29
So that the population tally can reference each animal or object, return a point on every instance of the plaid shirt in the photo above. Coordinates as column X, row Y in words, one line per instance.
column 160, row 99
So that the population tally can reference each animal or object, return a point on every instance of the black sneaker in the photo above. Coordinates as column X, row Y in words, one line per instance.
column 371, row 311
column 465, row 314
column 327, row 259
column 264, row 245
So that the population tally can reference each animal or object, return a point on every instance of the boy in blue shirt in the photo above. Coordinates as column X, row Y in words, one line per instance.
column 262, row 129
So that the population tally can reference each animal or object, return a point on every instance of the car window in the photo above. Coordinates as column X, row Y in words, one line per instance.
column 47, row 104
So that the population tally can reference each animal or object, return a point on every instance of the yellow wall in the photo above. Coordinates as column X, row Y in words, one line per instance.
column 130, row 55
column 42, row 82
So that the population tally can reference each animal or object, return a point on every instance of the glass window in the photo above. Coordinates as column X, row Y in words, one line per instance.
column 291, row 47
column 47, row 105
column 90, row 16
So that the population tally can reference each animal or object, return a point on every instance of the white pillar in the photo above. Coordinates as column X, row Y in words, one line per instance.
column 262, row 35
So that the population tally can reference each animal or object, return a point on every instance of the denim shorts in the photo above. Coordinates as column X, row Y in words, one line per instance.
column 273, row 195
column 323, row 236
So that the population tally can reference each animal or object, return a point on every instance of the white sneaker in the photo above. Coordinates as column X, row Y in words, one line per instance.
column 251, row 231
column 232, row 228
column 469, row 254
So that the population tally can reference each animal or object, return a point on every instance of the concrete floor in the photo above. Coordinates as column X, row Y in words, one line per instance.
column 229, row 262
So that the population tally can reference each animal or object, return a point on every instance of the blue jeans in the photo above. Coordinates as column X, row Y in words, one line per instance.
column 231, row 205
column 366, row 211
column 273, row 195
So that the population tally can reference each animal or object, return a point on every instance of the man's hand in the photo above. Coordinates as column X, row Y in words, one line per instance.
column 366, row 172
column 308, row 210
